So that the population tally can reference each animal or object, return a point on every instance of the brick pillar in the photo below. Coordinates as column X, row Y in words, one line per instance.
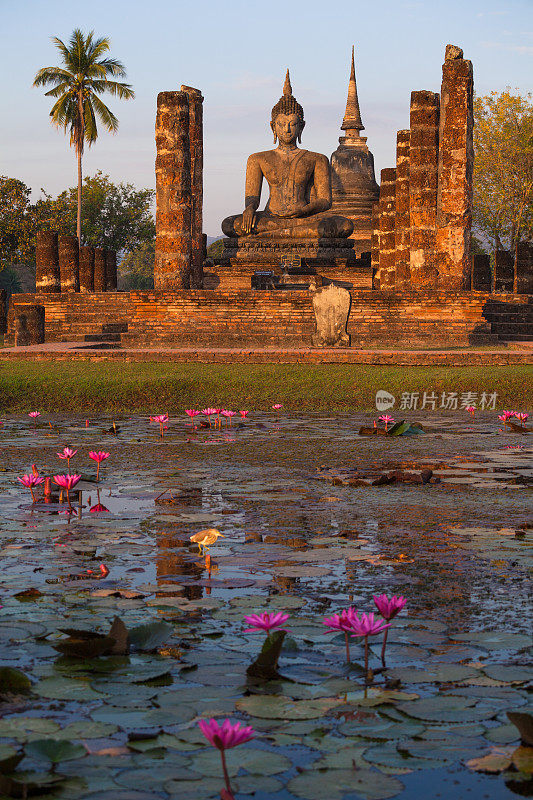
column 47, row 277
column 481, row 273
column 173, row 192
column 69, row 267
column 402, row 221
column 99, row 269
column 3, row 311
column 111, row 270
column 524, row 268
column 374, row 246
column 387, row 240
column 456, row 163
column 86, row 269
column 29, row 325
column 503, row 271
column 423, row 152
column 196, row 144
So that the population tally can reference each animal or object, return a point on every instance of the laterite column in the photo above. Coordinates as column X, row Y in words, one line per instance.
column 111, row 270
column 374, row 246
column 387, row 240
column 456, row 164
column 173, row 244
column 29, row 325
column 86, row 269
column 196, row 146
column 99, row 269
column 481, row 273
column 424, row 154
column 69, row 253
column 47, row 278
column 402, row 219
column 524, row 268
column 503, row 271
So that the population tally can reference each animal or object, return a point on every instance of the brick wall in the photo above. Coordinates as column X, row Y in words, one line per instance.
column 264, row 319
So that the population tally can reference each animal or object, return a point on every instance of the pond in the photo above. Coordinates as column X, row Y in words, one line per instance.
column 312, row 523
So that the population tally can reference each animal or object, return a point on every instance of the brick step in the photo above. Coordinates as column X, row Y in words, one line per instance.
column 102, row 337
column 516, row 337
column 517, row 328
column 509, row 316
column 115, row 327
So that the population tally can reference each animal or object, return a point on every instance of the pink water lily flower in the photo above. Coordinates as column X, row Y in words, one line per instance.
column 29, row 481
column 67, row 482
column 227, row 414
column 342, row 622
column 277, row 406
column 386, row 419
column 505, row 416
column 161, row 419
column 265, row 621
column 522, row 417
column 225, row 736
column 67, row 454
column 244, row 414
column 471, row 410
column 388, row 608
column 366, row 625
column 209, row 412
column 34, row 415
column 99, row 456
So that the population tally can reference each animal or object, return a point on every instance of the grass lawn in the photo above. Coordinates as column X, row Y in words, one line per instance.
column 109, row 387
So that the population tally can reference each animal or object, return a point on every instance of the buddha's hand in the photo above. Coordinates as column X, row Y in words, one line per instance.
column 248, row 219
column 297, row 210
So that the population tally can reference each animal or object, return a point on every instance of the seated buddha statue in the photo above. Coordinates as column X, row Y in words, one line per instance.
column 299, row 183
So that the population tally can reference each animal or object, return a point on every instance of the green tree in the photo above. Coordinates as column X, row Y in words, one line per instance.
column 136, row 270
column 16, row 223
column 503, row 169
column 76, row 85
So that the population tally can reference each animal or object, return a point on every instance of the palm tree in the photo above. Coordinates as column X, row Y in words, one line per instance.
column 84, row 75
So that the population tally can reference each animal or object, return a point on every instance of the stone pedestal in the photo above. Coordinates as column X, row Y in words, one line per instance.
column 196, row 145
column 173, row 246
column 387, row 240
column 503, row 271
column 424, row 140
column 331, row 305
column 86, row 269
column 111, row 270
column 402, row 218
column 481, row 273
column 47, row 278
column 29, row 325
column 69, row 253
column 456, row 161
column 100, row 281
column 524, row 268
column 267, row 252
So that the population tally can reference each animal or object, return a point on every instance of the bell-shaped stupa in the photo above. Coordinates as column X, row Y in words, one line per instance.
column 353, row 183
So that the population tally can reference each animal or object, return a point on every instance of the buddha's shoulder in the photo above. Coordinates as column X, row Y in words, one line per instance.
column 318, row 157
column 262, row 155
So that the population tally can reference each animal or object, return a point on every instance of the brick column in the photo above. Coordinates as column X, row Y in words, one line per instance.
column 47, row 277
column 196, row 143
column 69, row 267
column 423, row 152
column 374, row 246
column 503, row 271
column 99, row 269
column 402, row 221
column 387, row 240
column 173, row 192
column 481, row 273
column 29, row 325
column 456, row 162
column 524, row 268
column 86, row 269
column 111, row 270
column 3, row 311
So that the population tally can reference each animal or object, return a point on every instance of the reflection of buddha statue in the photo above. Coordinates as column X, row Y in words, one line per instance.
column 299, row 183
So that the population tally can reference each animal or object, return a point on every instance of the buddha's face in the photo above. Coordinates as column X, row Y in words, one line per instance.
column 288, row 128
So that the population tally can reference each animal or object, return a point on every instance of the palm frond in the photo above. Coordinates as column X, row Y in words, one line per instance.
column 58, row 90
column 91, row 129
column 105, row 114
column 48, row 75
column 113, row 66
column 100, row 47
column 121, row 90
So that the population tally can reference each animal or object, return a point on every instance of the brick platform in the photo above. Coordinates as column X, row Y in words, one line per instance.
column 262, row 319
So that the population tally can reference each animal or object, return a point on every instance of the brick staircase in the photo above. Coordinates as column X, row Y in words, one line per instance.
column 510, row 321
column 109, row 337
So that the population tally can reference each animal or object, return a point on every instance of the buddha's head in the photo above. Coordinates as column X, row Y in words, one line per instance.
column 287, row 120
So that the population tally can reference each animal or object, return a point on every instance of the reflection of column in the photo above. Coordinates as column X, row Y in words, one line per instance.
column 196, row 144
column 173, row 192
column 171, row 563
column 111, row 270
column 69, row 270
column 456, row 163
column 47, row 263
column 402, row 221
column 86, row 269
column 387, row 243
column 99, row 269
column 423, row 151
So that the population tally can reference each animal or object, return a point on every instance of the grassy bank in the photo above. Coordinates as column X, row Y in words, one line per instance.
column 79, row 387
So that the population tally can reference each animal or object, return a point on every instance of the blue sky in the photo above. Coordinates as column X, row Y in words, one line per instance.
column 236, row 53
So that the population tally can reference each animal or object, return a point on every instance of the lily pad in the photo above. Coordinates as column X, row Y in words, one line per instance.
column 446, row 709
column 335, row 783
column 278, row 707
column 13, row 681
column 150, row 636
column 252, row 759
column 55, row 750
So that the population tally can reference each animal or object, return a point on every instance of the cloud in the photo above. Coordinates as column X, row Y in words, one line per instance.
column 521, row 49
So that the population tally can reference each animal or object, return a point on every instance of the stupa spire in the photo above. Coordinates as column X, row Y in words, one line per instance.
column 352, row 123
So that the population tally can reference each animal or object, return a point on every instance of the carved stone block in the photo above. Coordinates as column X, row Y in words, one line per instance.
column 331, row 305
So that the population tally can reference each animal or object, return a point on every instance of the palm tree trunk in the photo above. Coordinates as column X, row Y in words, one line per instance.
column 78, row 221
column 81, row 137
